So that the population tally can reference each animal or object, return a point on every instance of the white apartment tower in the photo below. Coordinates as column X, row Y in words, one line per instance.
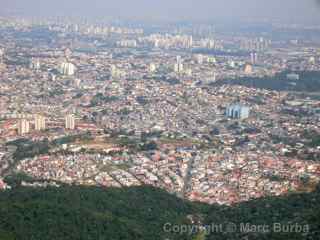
column 152, row 68
column 178, row 67
column 23, row 126
column 39, row 122
column 70, row 122
column 67, row 69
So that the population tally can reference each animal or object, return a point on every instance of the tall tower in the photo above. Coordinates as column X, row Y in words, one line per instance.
column 254, row 58
column 23, row 126
column 152, row 68
column 39, row 122
column 114, row 72
column 70, row 122
column 1, row 54
column 35, row 64
column 199, row 58
column 190, row 42
column 67, row 69
column 68, row 53
column 213, row 77
column 178, row 67
column 248, row 69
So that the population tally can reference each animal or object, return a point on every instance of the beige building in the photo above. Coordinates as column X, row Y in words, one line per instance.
column 23, row 126
column 39, row 122
column 248, row 69
column 152, row 68
column 70, row 122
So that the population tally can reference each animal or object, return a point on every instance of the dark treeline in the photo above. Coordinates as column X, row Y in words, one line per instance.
column 74, row 212
column 309, row 82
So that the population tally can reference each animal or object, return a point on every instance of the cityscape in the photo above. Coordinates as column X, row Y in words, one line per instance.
column 213, row 113
column 156, row 111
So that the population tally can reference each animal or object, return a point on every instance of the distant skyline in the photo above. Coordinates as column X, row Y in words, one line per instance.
column 289, row 11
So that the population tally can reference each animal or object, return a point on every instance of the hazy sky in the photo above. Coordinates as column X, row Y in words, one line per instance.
column 298, row 11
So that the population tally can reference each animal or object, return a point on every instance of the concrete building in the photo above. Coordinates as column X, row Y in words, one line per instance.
column 199, row 58
column 1, row 55
column 178, row 67
column 23, row 126
column 115, row 72
column 254, row 58
column 248, row 69
column 238, row 111
column 70, row 122
column 67, row 53
column 39, row 122
column 67, row 69
column 152, row 68
column 35, row 64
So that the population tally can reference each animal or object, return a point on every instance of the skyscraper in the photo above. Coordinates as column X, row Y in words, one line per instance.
column 152, row 68
column 35, row 64
column 67, row 53
column 70, row 122
column 178, row 67
column 254, row 58
column 199, row 58
column 115, row 72
column 248, row 69
column 1, row 54
column 39, row 122
column 23, row 126
column 67, row 69
column 238, row 111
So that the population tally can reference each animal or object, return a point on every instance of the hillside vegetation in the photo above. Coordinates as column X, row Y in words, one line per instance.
column 75, row 212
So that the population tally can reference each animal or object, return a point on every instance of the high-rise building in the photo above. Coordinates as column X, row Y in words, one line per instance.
column 152, row 68
column 231, row 64
column 39, row 122
column 52, row 77
column 207, row 43
column 238, row 111
column 178, row 67
column 248, row 69
column 67, row 53
column 35, row 64
column 67, row 69
column 312, row 60
column 211, row 60
column 190, row 42
column 188, row 72
column 254, row 58
column 1, row 54
column 199, row 58
column 156, row 43
column 23, row 126
column 77, row 82
column 212, row 77
column 127, row 43
column 115, row 72
column 70, row 122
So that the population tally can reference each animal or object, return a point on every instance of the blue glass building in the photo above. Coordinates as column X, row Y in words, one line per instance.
column 238, row 111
